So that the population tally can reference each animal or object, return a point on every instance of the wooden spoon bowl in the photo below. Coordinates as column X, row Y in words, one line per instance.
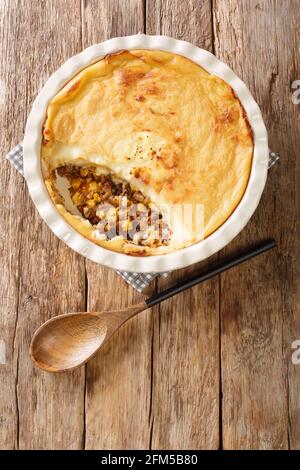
column 67, row 341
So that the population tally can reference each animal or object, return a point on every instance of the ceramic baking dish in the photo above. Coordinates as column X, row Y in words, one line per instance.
column 181, row 258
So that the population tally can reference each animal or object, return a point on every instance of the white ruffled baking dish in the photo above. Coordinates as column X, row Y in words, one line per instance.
column 181, row 258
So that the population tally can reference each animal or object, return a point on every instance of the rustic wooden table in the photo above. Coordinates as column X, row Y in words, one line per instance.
column 210, row 368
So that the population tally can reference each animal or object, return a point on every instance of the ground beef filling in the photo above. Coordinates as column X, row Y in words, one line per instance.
column 114, row 208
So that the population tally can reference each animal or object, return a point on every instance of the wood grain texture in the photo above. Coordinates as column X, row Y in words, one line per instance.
column 118, row 386
column 46, row 277
column 185, row 403
column 157, row 383
column 11, row 110
column 258, row 301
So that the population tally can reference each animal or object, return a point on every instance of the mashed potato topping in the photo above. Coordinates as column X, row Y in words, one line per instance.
column 160, row 126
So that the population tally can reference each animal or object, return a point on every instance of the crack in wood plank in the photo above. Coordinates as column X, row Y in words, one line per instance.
column 15, row 347
column 288, row 430
column 16, row 446
column 212, row 8
column 84, row 411
column 86, row 309
column 154, row 311
column 220, row 365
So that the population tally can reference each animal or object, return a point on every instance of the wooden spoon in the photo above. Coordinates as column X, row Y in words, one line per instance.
column 68, row 341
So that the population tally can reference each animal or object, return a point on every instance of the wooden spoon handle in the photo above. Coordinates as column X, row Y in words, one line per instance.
column 118, row 317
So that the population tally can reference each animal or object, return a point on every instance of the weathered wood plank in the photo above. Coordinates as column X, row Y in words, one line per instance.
column 258, row 301
column 106, row 19
column 43, row 277
column 11, row 111
column 119, row 377
column 185, row 403
column 285, row 133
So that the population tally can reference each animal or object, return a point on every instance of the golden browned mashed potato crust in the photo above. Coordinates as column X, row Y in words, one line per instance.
column 159, row 121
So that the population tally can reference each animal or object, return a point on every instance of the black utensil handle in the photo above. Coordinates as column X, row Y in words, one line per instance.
column 187, row 283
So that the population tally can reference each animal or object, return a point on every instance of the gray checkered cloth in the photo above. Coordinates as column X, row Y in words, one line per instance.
column 137, row 280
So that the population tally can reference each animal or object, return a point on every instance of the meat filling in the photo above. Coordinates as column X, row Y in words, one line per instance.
column 114, row 208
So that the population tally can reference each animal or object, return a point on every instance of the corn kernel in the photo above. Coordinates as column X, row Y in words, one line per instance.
column 77, row 198
column 75, row 183
column 96, row 197
column 93, row 186
column 84, row 171
column 91, row 203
